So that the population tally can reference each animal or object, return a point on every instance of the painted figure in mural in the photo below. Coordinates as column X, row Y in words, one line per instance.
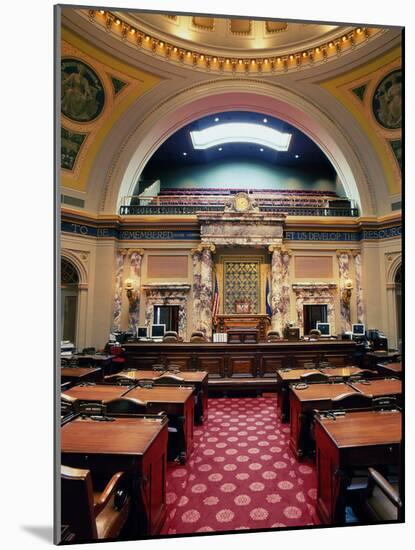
column 82, row 92
column 387, row 101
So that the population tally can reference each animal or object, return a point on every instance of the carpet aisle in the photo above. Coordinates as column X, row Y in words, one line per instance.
column 241, row 474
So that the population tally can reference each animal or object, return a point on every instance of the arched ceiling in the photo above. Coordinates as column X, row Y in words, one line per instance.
column 140, row 84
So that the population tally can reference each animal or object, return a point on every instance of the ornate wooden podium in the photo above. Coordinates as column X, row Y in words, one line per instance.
column 238, row 320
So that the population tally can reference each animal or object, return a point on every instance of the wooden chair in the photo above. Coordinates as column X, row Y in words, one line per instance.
column 90, row 514
column 273, row 336
column 170, row 336
column 125, row 405
column 168, row 380
column 314, row 333
column 314, row 377
column 381, row 501
column 365, row 374
column 310, row 365
column 158, row 367
column 198, row 337
column 174, row 367
column 351, row 400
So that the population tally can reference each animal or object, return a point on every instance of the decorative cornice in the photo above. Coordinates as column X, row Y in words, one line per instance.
column 300, row 287
column 204, row 60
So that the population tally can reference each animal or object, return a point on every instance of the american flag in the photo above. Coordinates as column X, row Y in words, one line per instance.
column 215, row 308
column 268, row 299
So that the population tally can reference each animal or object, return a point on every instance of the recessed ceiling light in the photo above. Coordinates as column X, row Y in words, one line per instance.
column 185, row 154
column 216, row 119
column 265, row 120
column 220, row 149
column 297, row 156
column 240, row 132
column 261, row 149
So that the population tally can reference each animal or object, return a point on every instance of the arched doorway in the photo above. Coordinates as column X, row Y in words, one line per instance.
column 69, row 300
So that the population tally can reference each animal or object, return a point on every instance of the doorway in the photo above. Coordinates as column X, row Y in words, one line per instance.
column 167, row 315
column 69, row 301
column 313, row 314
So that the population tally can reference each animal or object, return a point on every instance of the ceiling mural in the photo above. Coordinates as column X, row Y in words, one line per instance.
column 373, row 94
column 95, row 90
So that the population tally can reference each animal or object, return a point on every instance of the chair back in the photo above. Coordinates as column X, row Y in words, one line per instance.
column 198, row 337
column 351, row 400
column 273, row 336
column 368, row 374
column 310, row 365
column 125, row 405
column 78, row 502
column 315, row 333
column 314, row 377
column 117, row 351
column 168, row 380
column 158, row 367
column 173, row 367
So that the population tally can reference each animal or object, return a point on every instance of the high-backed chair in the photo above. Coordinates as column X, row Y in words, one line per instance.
column 198, row 337
column 310, row 365
column 314, row 377
column 348, row 400
column 90, row 514
column 125, row 405
column 314, row 333
column 170, row 336
column 273, row 336
column 118, row 360
column 174, row 367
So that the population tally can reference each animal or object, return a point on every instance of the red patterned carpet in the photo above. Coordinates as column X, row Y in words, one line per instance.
column 241, row 474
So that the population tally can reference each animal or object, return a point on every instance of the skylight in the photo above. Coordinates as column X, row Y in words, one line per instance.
column 240, row 132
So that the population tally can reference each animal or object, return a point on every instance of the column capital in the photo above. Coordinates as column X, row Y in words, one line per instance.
column 197, row 250
column 208, row 246
column 139, row 251
column 356, row 253
column 122, row 251
column 341, row 252
column 282, row 249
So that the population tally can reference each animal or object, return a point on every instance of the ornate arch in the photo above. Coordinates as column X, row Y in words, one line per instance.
column 234, row 94
column 393, row 269
column 72, row 258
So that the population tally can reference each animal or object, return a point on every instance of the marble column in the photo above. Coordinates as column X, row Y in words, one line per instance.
column 206, row 289
column 343, row 258
column 280, row 288
column 136, row 257
column 360, row 309
column 197, row 266
column 119, row 270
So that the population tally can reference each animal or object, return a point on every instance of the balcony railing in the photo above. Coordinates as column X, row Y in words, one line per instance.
column 176, row 209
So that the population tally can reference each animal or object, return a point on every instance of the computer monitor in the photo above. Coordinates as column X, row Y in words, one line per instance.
column 142, row 332
column 324, row 328
column 157, row 331
column 358, row 329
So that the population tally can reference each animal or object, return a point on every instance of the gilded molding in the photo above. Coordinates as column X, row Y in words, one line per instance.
column 131, row 251
column 283, row 250
column 341, row 252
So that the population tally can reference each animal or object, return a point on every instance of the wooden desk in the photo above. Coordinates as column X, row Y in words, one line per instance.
column 285, row 377
column 302, row 404
column 359, row 439
column 243, row 335
column 390, row 369
column 237, row 363
column 260, row 322
column 372, row 358
column 135, row 375
column 177, row 403
column 95, row 394
column 136, row 446
column 198, row 379
column 380, row 388
column 80, row 374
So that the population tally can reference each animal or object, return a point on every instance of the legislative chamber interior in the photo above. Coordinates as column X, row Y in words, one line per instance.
column 230, row 270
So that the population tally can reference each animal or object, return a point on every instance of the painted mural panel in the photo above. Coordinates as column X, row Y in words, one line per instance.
column 82, row 93
column 71, row 143
column 387, row 101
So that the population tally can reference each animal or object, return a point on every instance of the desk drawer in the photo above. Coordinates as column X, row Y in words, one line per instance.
column 374, row 455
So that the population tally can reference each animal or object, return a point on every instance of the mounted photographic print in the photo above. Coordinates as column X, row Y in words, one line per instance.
column 227, row 176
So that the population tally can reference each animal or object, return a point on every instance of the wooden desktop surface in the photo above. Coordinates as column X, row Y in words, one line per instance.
column 364, row 428
column 121, row 436
column 293, row 374
column 392, row 367
column 96, row 393
column 320, row 392
column 341, row 371
column 189, row 376
column 379, row 388
column 159, row 394
column 78, row 372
